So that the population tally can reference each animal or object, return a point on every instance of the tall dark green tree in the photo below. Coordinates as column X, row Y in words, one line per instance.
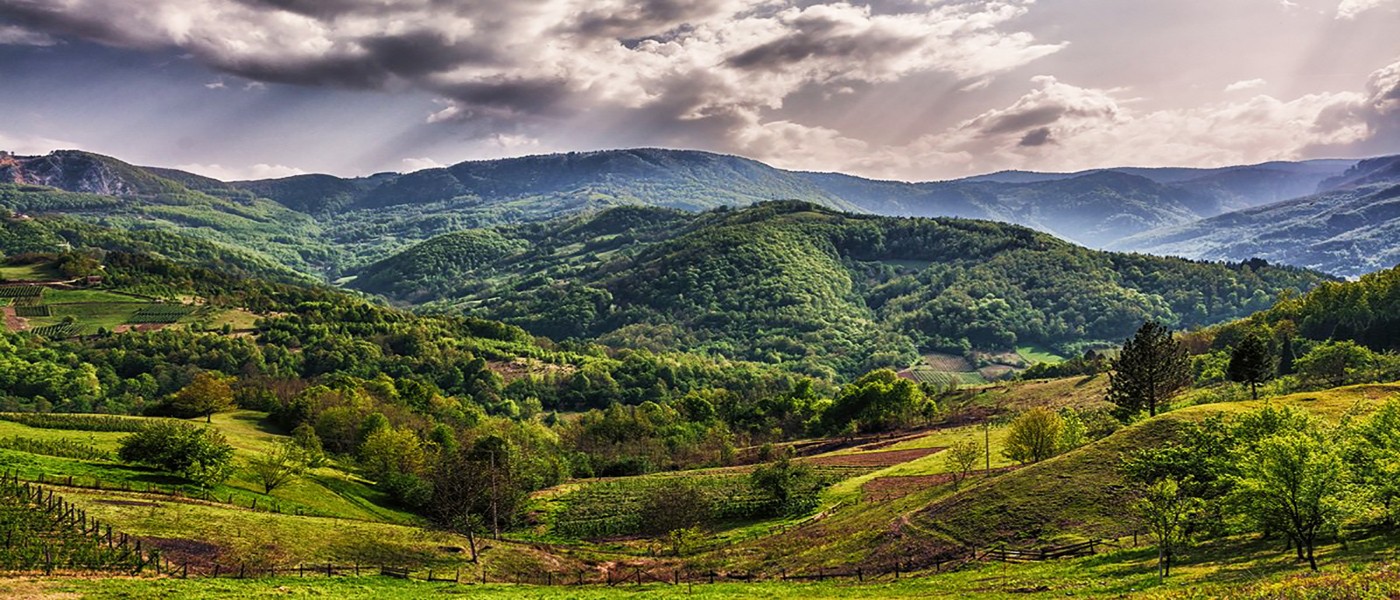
column 1152, row 368
column 1252, row 362
column 1287, row 356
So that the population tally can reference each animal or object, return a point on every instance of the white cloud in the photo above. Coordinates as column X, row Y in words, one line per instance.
column 11, row 35
column 1349, row 9
column 420, row 163
column 1246, row 84
column 1062, row 127
column 511, row 62
column 32, row 145
column 257, row 171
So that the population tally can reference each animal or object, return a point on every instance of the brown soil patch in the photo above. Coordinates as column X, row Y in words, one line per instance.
column 12, row 321
column 199, row 556
column 882, row 489
column 887, row 458
column 948, row 362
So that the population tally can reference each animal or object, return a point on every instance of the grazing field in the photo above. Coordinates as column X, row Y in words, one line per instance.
column 33, row 272
column 1036, row 354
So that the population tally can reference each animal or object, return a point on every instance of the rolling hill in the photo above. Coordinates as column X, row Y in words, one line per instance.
column 798, row 284
column 345, row 223
column 1349, row 229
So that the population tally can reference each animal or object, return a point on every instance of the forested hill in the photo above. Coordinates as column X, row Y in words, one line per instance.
column 795, row 283
column 328, row 225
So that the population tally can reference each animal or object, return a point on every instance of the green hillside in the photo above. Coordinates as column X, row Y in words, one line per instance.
column 796, row 284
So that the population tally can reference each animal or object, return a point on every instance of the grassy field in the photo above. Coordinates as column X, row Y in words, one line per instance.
column 1037, row 354
column 1070, row 497
column 34, row 272
column 96, row 308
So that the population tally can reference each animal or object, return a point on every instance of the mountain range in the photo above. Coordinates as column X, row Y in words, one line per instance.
column 1337, row 216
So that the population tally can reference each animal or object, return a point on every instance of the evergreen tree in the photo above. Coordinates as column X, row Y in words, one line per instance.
column 1152, row 368
column 1252, row 362
column 1287, row 357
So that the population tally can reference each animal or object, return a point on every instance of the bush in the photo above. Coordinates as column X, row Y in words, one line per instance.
column 1035, row 436
column 199, row 454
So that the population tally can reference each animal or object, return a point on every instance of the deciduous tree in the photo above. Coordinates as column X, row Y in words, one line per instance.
column 1034, row 436
column 1167, row 511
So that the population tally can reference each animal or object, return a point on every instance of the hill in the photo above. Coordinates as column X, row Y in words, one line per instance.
column 1347, row 229
column 344, row 223
column 794, row 283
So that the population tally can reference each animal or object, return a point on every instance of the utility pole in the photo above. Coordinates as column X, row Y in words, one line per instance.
column 495, row 518
column 987, row 443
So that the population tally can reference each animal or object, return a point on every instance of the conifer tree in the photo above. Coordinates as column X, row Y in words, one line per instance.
column 1152, row 368
column 1252, row 362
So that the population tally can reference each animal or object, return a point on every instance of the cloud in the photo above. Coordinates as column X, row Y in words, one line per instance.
column 1063, row 127
column 1246, row 84
column 1349, row 9
column 11, row 35
column 258, row 171
column 420, row 163
column 535, row 61
column 31, row 145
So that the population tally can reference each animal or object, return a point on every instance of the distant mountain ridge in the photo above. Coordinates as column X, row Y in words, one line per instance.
column 367, row 217
column 1350, row 227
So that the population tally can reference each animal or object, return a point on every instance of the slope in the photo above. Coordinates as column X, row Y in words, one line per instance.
column 794, row 283
column 1348, row 229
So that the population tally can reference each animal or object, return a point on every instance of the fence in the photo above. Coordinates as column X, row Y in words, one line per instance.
column 100, row 548
column 254, row 503
column 55, row 534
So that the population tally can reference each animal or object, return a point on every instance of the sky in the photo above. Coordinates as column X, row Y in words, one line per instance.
column 899, row 89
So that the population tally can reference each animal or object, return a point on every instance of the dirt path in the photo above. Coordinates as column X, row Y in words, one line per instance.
column 12, row 321
column 887, row 458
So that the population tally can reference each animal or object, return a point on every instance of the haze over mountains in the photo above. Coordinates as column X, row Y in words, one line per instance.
column 1341, row 222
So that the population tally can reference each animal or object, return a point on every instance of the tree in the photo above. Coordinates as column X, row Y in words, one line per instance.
column 1152, row 367
column 1373, row 455
column 963, row 457
column 199, row 454
column 205, row 395
column 1252, row 362
column 1074, row 433
column 789, row 484
column 1293, row 481
column 880, row 400
column 1034, row 436
column 304, row 435
column 1168, row 512
column 673, row 506
column 473, row 489
column 279, row 467
column 1334, row 363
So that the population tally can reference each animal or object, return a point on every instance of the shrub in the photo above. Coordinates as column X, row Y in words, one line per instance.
column 199, row 454
column 1034, row 436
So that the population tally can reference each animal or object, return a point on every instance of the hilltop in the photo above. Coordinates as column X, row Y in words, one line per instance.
column 795, row 283
column 327, row 225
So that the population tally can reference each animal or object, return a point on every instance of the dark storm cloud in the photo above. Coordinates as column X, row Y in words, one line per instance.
column 532, row 96
column 817, row 38
column 642, row 17
column 1038, row 116
column 1035, row 137
column 423, row 52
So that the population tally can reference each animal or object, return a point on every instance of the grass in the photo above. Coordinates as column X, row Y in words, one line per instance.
column 1123, row 574
column 238, row 319
column 33, row 272
column 1036, row 354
